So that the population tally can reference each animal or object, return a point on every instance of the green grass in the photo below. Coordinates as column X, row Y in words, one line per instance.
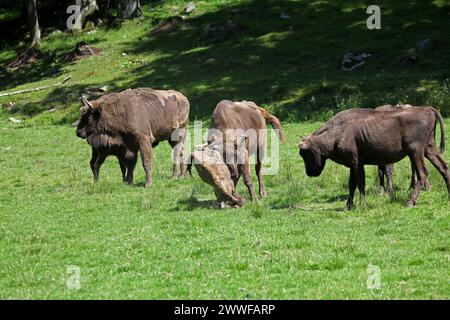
column 169, row 241
column 290, row 66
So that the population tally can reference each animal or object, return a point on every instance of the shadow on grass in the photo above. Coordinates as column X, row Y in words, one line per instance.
column 294, row 64
column 291, row 66
column 192, row 203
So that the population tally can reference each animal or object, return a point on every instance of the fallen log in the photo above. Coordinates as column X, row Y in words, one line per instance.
column 36, row 89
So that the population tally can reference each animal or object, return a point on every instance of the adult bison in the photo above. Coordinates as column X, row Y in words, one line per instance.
column 358, row 137
column 138, row 119
column 388, row 170
column 242, row 128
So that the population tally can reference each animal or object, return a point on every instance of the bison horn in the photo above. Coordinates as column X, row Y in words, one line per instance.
column 87, row 103
column 303, row 145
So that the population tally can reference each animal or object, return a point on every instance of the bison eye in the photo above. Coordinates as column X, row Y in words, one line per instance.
column 96, row 113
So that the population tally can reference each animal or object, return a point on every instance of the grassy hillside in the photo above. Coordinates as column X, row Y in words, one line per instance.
column 291, row 66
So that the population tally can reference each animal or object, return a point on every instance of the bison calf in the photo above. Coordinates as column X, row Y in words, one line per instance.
column 104, row 145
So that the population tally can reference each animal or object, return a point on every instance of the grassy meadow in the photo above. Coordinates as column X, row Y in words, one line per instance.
column 170, row 241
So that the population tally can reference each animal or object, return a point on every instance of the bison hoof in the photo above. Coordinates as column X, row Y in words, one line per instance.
column 148, row 184
column 411, row 204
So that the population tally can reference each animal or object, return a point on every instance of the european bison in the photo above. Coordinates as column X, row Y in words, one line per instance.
column 388, row 170
column 358, row 137
column 243, row 122
column 213, row 170
column 140, row 119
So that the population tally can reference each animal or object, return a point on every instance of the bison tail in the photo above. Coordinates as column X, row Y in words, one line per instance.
column 274, row 122
column 441, row 123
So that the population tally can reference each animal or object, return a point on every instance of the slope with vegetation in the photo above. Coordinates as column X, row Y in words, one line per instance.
column 289, row 65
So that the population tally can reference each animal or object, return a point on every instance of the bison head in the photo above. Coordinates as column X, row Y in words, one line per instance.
column 312, row 156
column 89, row 116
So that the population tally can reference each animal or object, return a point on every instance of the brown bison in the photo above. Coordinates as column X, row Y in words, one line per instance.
column 388, row 170
column 235, row 123
column 138, row 119
column 104, row 145
column 359, row 137
column 213, row 170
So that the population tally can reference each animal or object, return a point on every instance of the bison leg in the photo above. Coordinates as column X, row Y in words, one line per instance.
column 92, row 162
column 351, row 189
column 417, row 162
column 389, row 173
column 245, row 170
column 236, row 178
column 97, row 165
column 381, row 174
column 146, row 155
column 131, row 164
column 361, row 181
column 414, row 180
column 178, row 153
column 440, row 164
column 181, row 154
column 258, row 169
column 123, row 168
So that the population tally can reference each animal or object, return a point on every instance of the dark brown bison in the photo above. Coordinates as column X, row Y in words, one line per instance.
column 358, row 137
column 388, row 170
column 238, row 123
column 139, row 119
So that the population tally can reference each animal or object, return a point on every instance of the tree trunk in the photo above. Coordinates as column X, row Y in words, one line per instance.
column 33, row 23
column 129, row 9
column 87, row 8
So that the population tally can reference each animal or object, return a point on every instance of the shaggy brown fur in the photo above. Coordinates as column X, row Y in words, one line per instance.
column 358, row 137
column 104, row 145
column 388, row 170
column 243, row 116
column 213, row 170
column 140, row 117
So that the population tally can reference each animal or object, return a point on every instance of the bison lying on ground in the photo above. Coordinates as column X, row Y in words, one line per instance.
column 230, row 120
column 213, row 170
column 358, row 137
column 138, row 119
column 388, row 170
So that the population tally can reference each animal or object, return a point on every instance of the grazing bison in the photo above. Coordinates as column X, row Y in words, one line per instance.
column 138, row 119
column 388, row 170
column 213, row 170
column 358, row 137
column 230, row 120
